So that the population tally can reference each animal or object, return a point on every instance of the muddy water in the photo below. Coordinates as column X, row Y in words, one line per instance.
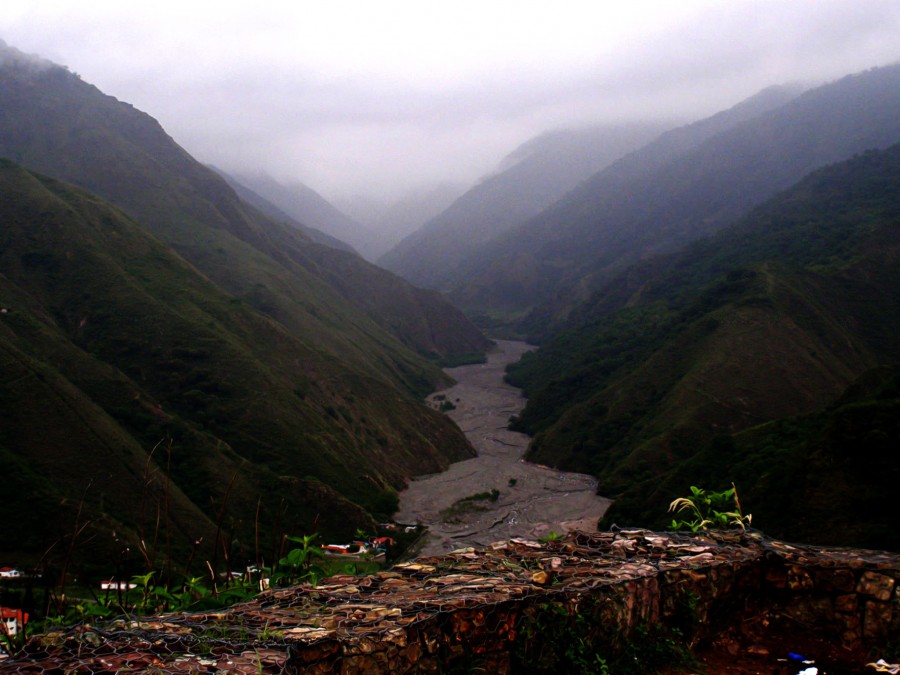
column 534, row 500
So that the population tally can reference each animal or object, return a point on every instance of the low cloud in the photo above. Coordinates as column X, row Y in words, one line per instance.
column 367, row 99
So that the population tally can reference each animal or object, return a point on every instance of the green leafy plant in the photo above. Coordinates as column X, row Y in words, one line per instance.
column 297, row 565
column 710, row 510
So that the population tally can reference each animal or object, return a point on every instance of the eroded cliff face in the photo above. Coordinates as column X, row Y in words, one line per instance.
column 648, row 598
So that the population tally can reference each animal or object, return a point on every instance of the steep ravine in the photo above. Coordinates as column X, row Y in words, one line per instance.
column 533, row 500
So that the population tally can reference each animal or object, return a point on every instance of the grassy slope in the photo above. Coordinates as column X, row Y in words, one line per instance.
column 827, row 477
column 772, row 318
column 57, row 124
column 144, row 348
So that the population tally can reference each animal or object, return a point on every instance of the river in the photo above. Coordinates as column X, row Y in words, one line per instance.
column 533, row 500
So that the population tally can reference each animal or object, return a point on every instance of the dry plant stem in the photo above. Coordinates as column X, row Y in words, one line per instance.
column 215, row 561
column 166, row 511
column 142, row 546
column 76, row 531
column 256, row 533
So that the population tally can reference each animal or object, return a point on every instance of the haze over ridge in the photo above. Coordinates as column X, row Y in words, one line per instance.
column 353, row 98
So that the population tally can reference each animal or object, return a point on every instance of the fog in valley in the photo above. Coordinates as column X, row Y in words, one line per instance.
column 380, row 105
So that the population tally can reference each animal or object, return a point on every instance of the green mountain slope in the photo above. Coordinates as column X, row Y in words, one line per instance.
column 828, row 477
column 58, row 125
column 772, row 318
column 113, row 344
column 661, row 198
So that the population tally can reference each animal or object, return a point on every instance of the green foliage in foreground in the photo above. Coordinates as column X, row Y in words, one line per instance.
column 153, row 593
column 709, row 510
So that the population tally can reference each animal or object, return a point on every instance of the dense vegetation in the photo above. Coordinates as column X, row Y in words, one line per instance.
column 828, row 477
column 123, row 346
column 177, row 367
column 772, row 318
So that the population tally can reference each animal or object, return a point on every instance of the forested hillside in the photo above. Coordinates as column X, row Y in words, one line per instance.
column 130, row 379
column 772, row 318
column 172, row 355
column 61, row 126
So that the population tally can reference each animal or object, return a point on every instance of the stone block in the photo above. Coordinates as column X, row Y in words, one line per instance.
column 850, row 626
column 798, row 579
column 875, row 585
column 835, row 581
column 847, row 603
column 777, row 577
column 811, row 610
column 877, row 622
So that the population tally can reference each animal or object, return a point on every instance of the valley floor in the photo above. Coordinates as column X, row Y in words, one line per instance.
column 533, row 500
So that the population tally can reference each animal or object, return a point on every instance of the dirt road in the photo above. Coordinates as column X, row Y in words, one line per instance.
column 533, row 500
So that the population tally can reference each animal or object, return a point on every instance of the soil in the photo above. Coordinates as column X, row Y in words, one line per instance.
column 533, row 501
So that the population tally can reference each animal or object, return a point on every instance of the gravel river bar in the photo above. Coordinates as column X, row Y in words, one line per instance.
column 533, row 500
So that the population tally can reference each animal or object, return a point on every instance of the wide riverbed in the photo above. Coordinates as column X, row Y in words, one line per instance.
column 533, row 501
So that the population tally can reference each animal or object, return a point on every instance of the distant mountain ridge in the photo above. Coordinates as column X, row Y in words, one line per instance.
column 396, row 219
column 689, row 183
column 308, row 207
column 55, row 123
column 269, row 209
column 532, row 177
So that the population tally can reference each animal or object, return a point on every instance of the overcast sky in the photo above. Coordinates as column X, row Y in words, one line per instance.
column 375, row 97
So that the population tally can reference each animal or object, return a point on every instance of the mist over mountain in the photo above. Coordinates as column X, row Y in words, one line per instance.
column 688, row 184
column 59, row 125
column 269, row 209
column 152, row 307
column 712, row 302
column 306, row 206
column 529, row 179
column 397, row 219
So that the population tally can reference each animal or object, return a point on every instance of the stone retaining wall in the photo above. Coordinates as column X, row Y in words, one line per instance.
column 516, row 606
